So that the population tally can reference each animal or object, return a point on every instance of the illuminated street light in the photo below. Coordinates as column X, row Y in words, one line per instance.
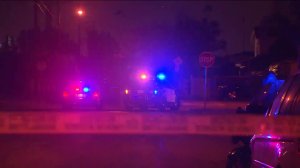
column 80, row 12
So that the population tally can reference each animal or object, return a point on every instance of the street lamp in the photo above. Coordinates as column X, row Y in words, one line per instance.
column 80, row 13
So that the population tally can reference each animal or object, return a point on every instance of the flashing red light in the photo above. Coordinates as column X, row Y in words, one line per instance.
column 143, row 76
column 77, row 89
column 96, row 94
column 65, row 94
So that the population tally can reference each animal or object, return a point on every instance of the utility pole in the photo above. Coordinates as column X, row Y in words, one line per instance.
column 45, row 10
column 243, row 36
column 58, row 12
column 35, row 16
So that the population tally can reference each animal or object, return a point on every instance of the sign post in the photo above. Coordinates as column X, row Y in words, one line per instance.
column 206, row 60
column 177, row 62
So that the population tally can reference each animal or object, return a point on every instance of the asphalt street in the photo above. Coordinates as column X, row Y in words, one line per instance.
column 118, row 151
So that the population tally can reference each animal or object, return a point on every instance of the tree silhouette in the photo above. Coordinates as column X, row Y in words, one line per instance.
column 277, row 36
column 46, row 61
column 195, row 36
column 102, row 51
column 8, row 67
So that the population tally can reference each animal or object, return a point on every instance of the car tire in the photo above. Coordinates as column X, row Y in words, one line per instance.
column 127, row 105
column 162, row 108
column 67, row 107
column 128, row 108
column 143, row 108
column 99, row 107
column 175, row 106
column 239, row 158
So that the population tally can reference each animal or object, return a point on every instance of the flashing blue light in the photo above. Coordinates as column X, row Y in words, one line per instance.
column 155, row 91
column 270, row 78
column 86, row 89
column 161, row 76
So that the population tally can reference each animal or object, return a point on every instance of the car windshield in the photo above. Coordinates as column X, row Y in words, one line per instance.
column 140, row 83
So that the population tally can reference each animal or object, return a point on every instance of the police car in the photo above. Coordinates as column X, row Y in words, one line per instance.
column 148, row 90
column 81, row 94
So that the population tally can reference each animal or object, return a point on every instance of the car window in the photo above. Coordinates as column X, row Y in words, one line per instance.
column 289, row 101
column 295, row 109
column 276, row 106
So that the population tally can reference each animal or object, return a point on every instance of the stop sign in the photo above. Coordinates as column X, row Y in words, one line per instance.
column 206, row 59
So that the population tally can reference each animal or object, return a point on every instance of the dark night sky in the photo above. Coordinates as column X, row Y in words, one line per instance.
column 124, row 18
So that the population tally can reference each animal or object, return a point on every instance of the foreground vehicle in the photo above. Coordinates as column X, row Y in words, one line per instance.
column 240, row 157
column 272, row 151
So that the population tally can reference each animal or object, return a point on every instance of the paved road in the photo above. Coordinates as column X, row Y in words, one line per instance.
column 94, row 151
column 118, row 151
column 186, row 106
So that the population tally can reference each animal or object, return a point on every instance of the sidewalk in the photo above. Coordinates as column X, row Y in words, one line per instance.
column 214, row 104
column 27, row 105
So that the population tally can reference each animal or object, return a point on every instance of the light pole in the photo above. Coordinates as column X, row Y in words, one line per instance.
column 80, row 13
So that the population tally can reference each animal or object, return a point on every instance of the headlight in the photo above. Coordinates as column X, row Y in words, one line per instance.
column 126, row 91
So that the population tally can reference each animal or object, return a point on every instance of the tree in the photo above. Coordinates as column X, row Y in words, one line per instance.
column 102, row 61
column 46, row 61
column 194, row 36
column 295, row 11
column 276, row 34
column 8, row 60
